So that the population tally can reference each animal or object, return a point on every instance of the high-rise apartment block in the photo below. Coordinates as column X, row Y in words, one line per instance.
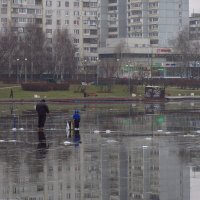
column 79, row 17
column 159, row 20
column 195, row 26
column 92, row 22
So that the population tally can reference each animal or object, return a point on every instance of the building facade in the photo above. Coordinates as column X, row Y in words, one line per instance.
column 195, row 26
column 92, row 22
column 159, row 20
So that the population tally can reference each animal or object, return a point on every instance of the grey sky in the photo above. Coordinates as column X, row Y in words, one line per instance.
column 194, row 6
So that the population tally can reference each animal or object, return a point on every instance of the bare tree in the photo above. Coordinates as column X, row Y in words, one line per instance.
column 182, row 46
column 33, row 48
column 63, row 53
column 8, row 47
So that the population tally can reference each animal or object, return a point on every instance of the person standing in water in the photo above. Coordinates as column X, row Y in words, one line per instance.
column 77, row 119
column 42, row 109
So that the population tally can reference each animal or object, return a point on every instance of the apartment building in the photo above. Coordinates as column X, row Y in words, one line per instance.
column 195, row 26
column 17, row 13
column 160, row 20
column 80, row 18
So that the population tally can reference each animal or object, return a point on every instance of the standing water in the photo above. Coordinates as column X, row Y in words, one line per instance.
column 124, row 152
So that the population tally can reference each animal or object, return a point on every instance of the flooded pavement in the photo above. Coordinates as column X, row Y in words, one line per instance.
column 123, row 152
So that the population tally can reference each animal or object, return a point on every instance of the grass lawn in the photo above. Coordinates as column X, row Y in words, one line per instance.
column 117, row 91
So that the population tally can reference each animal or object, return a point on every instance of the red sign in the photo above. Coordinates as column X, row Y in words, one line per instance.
column 164, row 50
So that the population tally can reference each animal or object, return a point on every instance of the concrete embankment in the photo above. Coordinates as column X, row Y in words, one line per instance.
column 105, row 99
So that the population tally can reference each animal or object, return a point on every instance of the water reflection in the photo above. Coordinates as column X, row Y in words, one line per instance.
column 145, row 151
column 42, row 144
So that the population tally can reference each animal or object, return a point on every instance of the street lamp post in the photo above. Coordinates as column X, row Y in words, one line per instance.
column 85, row 69
column 129, row 77
column 17, row 70
column 97, row 72
column 118, row 67
column 25, row 70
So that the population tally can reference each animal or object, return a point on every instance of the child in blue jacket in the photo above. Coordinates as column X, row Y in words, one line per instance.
column 77, row 119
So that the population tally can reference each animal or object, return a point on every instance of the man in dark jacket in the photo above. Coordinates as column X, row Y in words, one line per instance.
column 42, row 109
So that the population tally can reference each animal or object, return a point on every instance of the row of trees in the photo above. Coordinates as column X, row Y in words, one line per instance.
column 32, row 53
column 188, row 51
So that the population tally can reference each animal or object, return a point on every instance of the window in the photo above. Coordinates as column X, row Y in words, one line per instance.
column 66, row 3
column 31, row 11
column 58, row 22
column 49, row 12
column 58, row 3
column 4, row 20
column 48, row 22
column 76, row 31
column 112, row 8
column 38, row 11
column 112, row 1
column 48, row 3
column 67, row 12
column 76, row 22
column 76, row 4
column 76, row 13
column 76, row 41
column 58, row 12
column 48, row 30
column 22, row 10
column 86, row 32
column 4, row 1
column 3, row 10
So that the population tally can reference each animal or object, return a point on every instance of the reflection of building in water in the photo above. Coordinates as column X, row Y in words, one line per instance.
column 114, row 163
column 156, row 171
column 194, row 182
column 183, row 122
column 133, row 168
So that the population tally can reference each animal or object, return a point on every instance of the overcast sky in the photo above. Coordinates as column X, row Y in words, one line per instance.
column 194, row 6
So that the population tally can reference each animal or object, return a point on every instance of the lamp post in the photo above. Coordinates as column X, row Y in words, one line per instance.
column 129, row 77
column 25, row 70
column 118, row 67
column 85, row 69
column 17, row 70
column 97, row 71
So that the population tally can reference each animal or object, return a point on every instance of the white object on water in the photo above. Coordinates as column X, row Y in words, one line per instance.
column 14, row 129
column 160, row 130
column 133, row 95
column 198, row 131
column 21, row 129
column 111, row 141
column 68, row 143
column 36, row 96
column 96, row 131
column 2, row 140
column 12, row 140
column 148, row 138
column 108, row 131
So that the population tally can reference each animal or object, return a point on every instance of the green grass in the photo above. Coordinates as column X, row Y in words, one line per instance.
column 117, row 91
